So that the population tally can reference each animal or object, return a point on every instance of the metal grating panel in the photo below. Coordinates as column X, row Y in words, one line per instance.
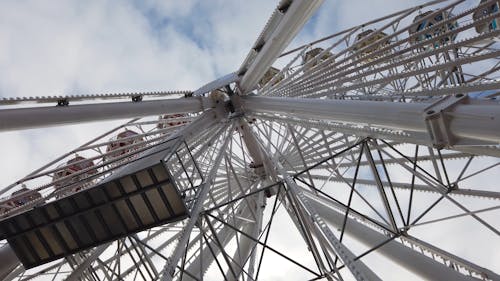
column 126, row 203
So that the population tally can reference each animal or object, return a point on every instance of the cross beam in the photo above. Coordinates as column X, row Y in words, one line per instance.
column 447, row 124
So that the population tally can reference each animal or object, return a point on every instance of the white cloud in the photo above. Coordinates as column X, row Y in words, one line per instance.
column 67, row 47
column 87, row 47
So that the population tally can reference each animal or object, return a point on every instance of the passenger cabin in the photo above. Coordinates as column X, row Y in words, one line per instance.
column 125, row 142
column 82, row 167
column 269, row 75
column 423, row 22
column 171, row 120
column 487, row 10
column 380, row 38
column 313, row 55
column 19, row 198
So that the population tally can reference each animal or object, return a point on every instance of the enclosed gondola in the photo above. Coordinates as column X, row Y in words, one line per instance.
column 172, row 120
column 124, row 143
column 491, row 25
column 376, row 41
column 310, row 59
column 75, row 172
column 19, row 198
column 269, row 75
column 423, row 29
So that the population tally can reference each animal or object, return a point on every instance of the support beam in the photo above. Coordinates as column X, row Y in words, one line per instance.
column 77, row 273
column 484, row 194
column 8, row 261
column 37, row 117
column 204, row 260
column 216, row 84
column 286, row 21
column 410, row 259
column 408, row 117
column 246, row 245
column 168, row 271
column 321, row 230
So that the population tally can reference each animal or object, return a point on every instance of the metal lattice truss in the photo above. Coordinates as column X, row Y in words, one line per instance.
column 363, row 148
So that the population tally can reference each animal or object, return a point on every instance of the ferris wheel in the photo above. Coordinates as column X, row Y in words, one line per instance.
column 369, row 154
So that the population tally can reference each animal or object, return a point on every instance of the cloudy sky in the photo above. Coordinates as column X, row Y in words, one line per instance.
column 75, row 47
column 102, row 46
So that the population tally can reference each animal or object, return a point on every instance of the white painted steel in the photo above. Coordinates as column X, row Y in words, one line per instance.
column 168, row 270
column 410, row 259
column 203, row 261
column 283, row 29
column 383, row 95
column 479, row 122
column 216, row 84
column 79, row 271
column 246, row 245
column 35, row 117
column 323, row 232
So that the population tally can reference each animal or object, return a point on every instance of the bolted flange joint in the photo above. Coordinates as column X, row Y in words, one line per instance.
column 437, row 120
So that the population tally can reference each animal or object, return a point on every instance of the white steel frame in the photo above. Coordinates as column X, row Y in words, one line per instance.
column 360, row 151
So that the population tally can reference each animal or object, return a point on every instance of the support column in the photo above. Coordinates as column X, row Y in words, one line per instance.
column 168, row 271
column 246, row 245
column 359, row 270
column 416, row 262
column 203, row 261
column 320, row 229
column 79, row 271
column 8, row 261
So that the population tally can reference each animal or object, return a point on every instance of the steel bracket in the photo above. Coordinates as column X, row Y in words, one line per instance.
column 437, row 121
